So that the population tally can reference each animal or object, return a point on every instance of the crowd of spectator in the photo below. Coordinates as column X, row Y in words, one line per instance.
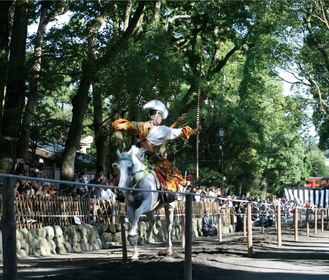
column 36, row 187
column 263, row 210
column 33, row 187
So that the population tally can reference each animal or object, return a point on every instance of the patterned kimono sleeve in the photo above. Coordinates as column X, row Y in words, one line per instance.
column 136, row 128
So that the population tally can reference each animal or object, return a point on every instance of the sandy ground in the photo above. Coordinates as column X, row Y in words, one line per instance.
column 211, row 259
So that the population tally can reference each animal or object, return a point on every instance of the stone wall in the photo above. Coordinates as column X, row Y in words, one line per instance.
column 88, row 237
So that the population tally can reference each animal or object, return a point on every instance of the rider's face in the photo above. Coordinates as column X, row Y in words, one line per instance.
column 158, row 118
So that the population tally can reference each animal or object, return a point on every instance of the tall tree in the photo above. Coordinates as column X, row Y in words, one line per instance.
column 4, row 41
column 48, row 11
column 305, row 55
column 15, row 90
column 80, row 101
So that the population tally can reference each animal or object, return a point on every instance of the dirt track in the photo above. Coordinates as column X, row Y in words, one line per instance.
column 298, row 260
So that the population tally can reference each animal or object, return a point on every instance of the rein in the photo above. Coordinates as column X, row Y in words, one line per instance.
column 146, row 171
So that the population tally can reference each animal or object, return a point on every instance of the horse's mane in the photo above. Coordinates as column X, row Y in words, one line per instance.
column 138, row 152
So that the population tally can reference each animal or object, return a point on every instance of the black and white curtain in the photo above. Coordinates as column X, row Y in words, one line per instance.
column 318, row 197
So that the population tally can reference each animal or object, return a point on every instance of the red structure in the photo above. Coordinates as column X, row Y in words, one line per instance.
column 316, row 182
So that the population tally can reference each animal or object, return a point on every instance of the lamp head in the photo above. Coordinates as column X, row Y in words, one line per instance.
column 221, row 133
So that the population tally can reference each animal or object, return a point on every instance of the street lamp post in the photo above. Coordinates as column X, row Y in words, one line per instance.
column 221, row 147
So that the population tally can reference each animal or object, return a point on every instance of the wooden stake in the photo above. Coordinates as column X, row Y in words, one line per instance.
column 315, row 221
column 296, row 223
column 249, row 224
column 124, row 240
column 322, row 220
column 278, row 224
column 188, row 238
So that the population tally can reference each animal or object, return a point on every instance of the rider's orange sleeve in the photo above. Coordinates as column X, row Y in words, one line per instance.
column 120, row 124
column 186, row 132
column 136, row 128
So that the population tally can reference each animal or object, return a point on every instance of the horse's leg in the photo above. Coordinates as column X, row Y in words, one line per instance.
column 134, row 219
column 150, row 216
column 132, row 239
column 170, row 218
column 133, row 233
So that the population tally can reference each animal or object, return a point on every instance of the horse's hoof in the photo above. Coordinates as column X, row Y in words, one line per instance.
column 134, row 258
column 132, row 238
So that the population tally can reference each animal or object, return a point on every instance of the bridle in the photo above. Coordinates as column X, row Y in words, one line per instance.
column 145, row 171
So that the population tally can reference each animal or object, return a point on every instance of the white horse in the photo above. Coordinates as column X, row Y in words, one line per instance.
column 134, row 172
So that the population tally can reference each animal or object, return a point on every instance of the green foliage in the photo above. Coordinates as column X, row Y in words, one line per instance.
column 318, row 162
column 230, row 51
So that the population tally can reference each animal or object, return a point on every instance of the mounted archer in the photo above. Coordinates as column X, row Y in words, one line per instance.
column 151, row 135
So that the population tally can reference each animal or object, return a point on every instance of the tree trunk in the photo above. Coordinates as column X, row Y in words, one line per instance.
column 80, row 105
column 22, row 149
column 48, row 13
column 80, row 101
column 15, row 93
column 89, row 75
column 101, row 134
column 4, row 41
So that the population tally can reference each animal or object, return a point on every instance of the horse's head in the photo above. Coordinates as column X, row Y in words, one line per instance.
column 128, row 163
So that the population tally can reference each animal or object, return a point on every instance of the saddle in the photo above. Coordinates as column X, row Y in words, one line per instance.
column 167, row 197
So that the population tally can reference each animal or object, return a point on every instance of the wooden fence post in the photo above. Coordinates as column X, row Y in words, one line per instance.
column 188, row 238
column 9, row 230
column 249, row 224
column 315, row 221
column 296, row 223
column 278, row 225
column 124, row 240
column 322, row 220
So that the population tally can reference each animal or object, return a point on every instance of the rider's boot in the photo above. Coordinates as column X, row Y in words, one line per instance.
column 169, row 197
